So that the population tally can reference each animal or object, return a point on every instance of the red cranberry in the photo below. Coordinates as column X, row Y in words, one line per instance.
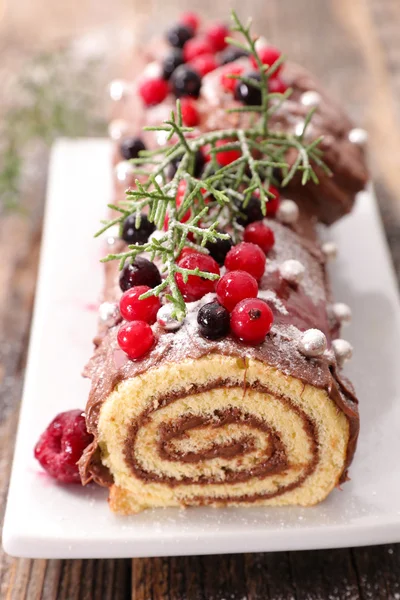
column 191, row 20
column 228, row 83
column 259, row 234
column 203, row 64
column 196, row 47
column 234, row 287
column 246, row 257
column 269, row 55
column 216, row 35
column 153, row 91
column 140, row 272
column 133, row 309
column 277, row 86
column 273, row 203
column 180, row 196
column 228, row 156
column 251, row 320
column 196, row 287
column 135, row 338
column 62, row 444
column 186, row 251
column 190, row 114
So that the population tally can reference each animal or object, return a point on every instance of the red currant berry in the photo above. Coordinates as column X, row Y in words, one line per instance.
column 135, row 338
column 153, row 91
column 269, row 55
column 277, row 86
column 246, row 257
column 196, row 287
column 133, row 309
column 191, row 20
column 62, row 444
column 216, row 35
column 228, row 83
column 261, row 235
column 186, row 251
column 234, row 287
column 251, row 320
column 228, row 156
column 195, row 47
column 190, row 114
column 273, row 203
column 203, row 64
column 180, row 196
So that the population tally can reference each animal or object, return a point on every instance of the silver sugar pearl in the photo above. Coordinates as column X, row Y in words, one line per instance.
column 108, row 310
column 292, row 271
column 329, row 249
column 157, row 235
column 313, row 343
column 288, row 212
column 152, row 70
column 343, row 351
column 117, row 129
column 166, row 320
column 112, row 235
column 341, row 312
column 118, row 89
column 310, row 98
column 358, row 136
column 123, row 170
column 299, row 128
column 261, row 42
column 161, row 137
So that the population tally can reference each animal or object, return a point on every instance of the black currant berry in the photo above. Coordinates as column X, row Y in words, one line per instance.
column 131, row 235
column 213, row 320
column 178, row 35
column 247, row 93
column 185, row 82
column 130, row 147
column 230, row 54
column 173, row 59
column 199, row 162
column 252, row 212
column 140, row 272
column 219, row 249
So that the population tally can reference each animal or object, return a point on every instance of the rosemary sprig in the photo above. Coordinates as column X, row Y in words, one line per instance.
column 221, row 192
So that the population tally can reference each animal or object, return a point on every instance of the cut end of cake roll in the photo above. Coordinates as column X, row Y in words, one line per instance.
column 239, row 433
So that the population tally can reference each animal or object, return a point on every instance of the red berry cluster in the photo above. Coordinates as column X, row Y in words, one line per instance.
column 250, row 317
column 192, row 56
column 238, row 308
column 135, row 337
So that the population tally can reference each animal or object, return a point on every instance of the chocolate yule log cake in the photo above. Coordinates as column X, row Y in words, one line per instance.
column 217, row 372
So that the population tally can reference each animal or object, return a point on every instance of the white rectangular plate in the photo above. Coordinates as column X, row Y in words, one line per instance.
column 47, row 520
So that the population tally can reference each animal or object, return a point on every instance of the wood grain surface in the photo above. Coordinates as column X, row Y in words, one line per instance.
column 354, row 47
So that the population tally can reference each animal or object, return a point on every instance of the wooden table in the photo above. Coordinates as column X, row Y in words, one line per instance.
column 354, row 46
